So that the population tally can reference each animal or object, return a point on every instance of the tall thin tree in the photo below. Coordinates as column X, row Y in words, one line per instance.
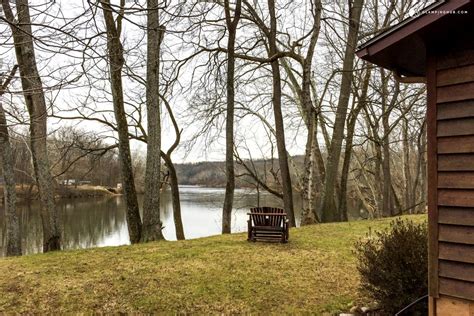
column 152, row 225
column 277, row 112
column 116, row 61
column 229, row 132
column 328, row 206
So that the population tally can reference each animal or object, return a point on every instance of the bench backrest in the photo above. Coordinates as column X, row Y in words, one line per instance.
column 263, row 220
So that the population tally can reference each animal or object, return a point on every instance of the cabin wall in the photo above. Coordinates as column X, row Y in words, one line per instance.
column 448, row 306
column 450, row 119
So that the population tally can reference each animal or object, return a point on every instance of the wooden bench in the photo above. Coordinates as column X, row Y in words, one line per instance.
column 267, row 224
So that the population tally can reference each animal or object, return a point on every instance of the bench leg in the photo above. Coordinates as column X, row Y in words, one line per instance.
column 285, row 233
column 249, row 233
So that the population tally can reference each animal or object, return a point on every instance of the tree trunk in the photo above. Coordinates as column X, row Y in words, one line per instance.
column 319, row 161
column 387, row 197
column 388, row 202
column 378, row 178
column 409, row 188
column 329, row 209
column 309, row 215
column 361, row 103
column 36, row 104
column 279, row 126
column 229, row 129
column 152, row 225
column 116, row 61
column 345, row 167
column 13, row 238
column 178, row 222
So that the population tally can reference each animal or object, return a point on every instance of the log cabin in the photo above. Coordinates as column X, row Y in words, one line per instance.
column 436, row 46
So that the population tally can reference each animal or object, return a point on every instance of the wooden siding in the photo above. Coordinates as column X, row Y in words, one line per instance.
column 456, row 252
column 458, row 162
column 456, row 288
column 456, row 180
column 463, row 216
column 456, row 127
column 456, row 145
column 456, row 270
column 460, row 198
column 454, row 110
column 447, row 306
column 457, row 234
column 455, row 58
column 455, row 92
column 454, row 227
column 456, row 75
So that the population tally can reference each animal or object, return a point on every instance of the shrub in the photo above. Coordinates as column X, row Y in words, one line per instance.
column 393, row 265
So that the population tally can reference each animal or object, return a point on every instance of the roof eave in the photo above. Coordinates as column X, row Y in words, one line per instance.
column 407, row 28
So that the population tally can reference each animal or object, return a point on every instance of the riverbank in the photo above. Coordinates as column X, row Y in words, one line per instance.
column 314, row 273
column 27, row 192
column 81, row 191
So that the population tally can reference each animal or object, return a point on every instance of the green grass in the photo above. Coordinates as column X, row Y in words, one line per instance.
column 314, row 273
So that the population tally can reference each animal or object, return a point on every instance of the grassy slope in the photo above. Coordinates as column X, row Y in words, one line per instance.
column 314, row 272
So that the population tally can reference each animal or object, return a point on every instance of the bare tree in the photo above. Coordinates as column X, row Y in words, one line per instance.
column 36, row 105
column 277, row 112
column 231, row 23
column 174, row 184
column 12, row 221
column 116, row 62
column 360, row 101
column 328, row 206
column 152, row 225
column 312, row 172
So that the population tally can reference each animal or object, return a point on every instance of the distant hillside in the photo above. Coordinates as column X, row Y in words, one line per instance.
column 206, row 173
column 212, row 173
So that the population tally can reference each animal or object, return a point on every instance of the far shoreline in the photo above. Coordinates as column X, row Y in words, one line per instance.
column 26, row 193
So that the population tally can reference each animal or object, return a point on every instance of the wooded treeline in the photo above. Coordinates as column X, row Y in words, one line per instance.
column 262, row 79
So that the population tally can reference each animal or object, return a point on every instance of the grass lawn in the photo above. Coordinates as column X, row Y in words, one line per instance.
column 315, row 272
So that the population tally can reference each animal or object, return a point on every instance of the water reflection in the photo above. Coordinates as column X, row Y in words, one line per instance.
column 97, row 222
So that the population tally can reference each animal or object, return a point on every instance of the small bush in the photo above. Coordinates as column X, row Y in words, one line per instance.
column 393, row 265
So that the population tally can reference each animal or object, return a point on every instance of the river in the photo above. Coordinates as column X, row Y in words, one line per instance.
column 99, row 222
